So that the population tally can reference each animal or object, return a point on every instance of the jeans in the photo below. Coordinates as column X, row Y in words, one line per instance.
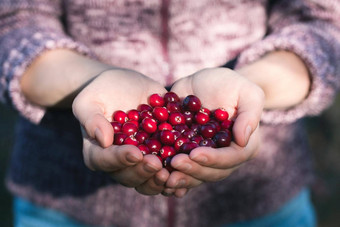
column 298, row 212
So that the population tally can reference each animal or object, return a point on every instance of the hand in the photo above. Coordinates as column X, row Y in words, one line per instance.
column 117, row 89
column 219, row 87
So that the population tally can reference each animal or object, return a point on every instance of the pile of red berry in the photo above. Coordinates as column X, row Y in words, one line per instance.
column 168, row 126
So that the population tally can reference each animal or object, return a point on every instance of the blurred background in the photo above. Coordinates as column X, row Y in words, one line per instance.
column 324, row 136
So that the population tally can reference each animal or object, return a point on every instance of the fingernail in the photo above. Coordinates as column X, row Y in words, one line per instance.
column 200, row 159
column 150, row 167
column 247, row 133
column 183, row 167
column 132, row 158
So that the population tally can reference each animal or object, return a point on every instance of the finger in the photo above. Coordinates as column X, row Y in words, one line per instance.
column 182, row 87
column 109, row 159
column 248, row 115
column 138, row 174
column 150, row 187
column 181, row 192
column 178, row 179
column 161, row 177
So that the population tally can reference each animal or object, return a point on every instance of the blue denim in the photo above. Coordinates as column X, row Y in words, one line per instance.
column 298, row 212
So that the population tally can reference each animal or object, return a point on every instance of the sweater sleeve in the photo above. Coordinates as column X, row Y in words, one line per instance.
column 310, row 29
column 27, row 29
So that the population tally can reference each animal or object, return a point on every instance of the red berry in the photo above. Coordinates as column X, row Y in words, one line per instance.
column 208, row 130
column 176, row 118
column 195, row 127
column 174, row 106
column 133, row 115
column 141, row 136
column 171, row 97
column 156, row 100
column 131, row 140
column 221, row 114
column 120, row 116
column 205, row 110
column 188, row 147
column 207, row 143
column 215, row 124
column 134, row 122
column 167, row 151
column 116, row 126
column 192, row 103
column 179, row 142
column 144, row 149
column 226, row 124
column 181, row 128
column 202, row 118
column 197, row 139
column 167, row 164
column 222, row 138
column 129, row 128
column 189, row 117
column 149, row 125
column 143, row 107
column 153, row 144
column 160, row 113
column 119, row 138
column 177, row 134
column 144, row 114
column 164, row 126
column 189, row 133
column 167, row 137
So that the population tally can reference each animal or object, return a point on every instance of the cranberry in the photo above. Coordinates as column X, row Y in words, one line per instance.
column 197, row 139
column 181, row 128
column 226, row 124
column 167, row 137
column 164, row 126
column 195, row 127
column 144, row 114
column 188, row 147
column 221, row 114
column 129, row 128
column 143, row 107
column 189, row 133
column 149, row 125
column 215, row 124
column 167, row 151
column 179, row 142
column 156, row 100
column 160, row 113
column 205, row 110
column 153, row 144
column 174, row 106
column 192, row 103
column 208, row 130
column 189, row 116
column 222, row 138
column 167, row 164
column 133, row 122
column 176, row 118
column 202, row 118
column 177, row 134
column 120, row 116
column 131, row 140
column 171, row 97
column 116, row 126
column 207, row 143
column 141, row 136
column 119, row 138
column 144, row 149
column 133, row 115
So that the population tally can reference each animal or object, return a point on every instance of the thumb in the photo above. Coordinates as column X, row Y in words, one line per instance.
column 92, row 119
column 248, row 116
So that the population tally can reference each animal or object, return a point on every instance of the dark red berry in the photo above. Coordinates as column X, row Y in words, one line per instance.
column 188, row 147
column 164, row 126
column 222, row 138
column 160, row 113
column 156, row 100
column 174, row 107
column 181, row 128
column 208, row 130
column 134, row 122
column 177, row 134
column 176, row 118
column 119, row 138
column 221, row 114
column 167, row 151
column 141, row 136
column 144, row 149
column 129, row 128
column 133, row 115
column 116, row 126
column 179, row 142
column 131, row 140
column 189, row 117
column 189, row 133
column 153, row 144
column 195, row 127
column 143, row 107
column 120, row 116
column 144, row 114
column 202, row 118
column 197, row 139
column 167, row 137
column 226, row 124
column 207, row 143
column 149, row 125
column 171, row 97
column 192, row 103
column 167, row 164
column 205, row 110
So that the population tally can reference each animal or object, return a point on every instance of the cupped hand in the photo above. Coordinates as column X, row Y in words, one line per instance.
column 244, row 100
column 117, row 89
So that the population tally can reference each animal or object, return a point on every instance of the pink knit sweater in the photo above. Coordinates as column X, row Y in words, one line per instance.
column 166, row 40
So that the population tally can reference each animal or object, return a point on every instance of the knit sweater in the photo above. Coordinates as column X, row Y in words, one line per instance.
column 165, row 40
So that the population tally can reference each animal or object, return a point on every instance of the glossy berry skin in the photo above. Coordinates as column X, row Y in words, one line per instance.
column 192, row 103
column 221, row 114
column 144, row 114
column 188, row 147
column 133, row 122
column 207, row 143
column 167, row 164
column 156, row 100
column 177, row 134
column 120, row 116
column 149, row 125
column 179, row 142
column 189, row 117
column 167, row 137
column 153, row 144
column 141, row 136
column 170, row 97
column 222, row 138
column 167, row 151
column 208, row 130
column 189, row 133
column 131, row 140
column 215, row 124
column 202, row 118
column 119, row 138
column 144, row 149
column 116, row 126
column 174, row 107
column 197, row 139
column 133, row 115
column 129, row 128
column 205, row 110
column 143, row 107
column 160, row 114
column 226, row 124
column 181, row 128
column 164, row 126
column 176, row 118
